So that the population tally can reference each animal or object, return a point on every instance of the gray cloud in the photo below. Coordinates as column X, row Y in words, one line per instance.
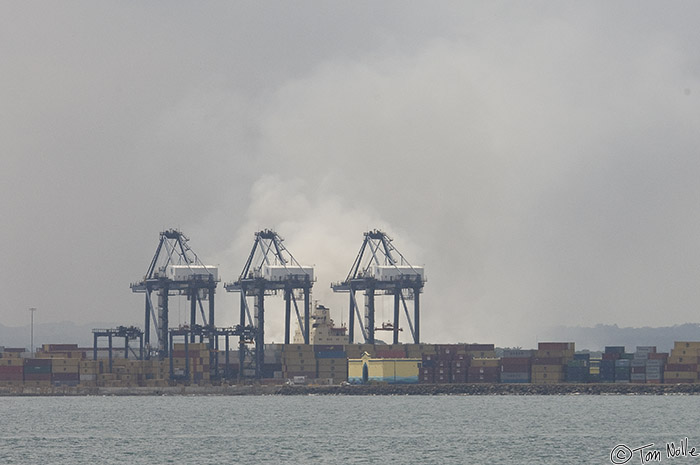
column 538, row 159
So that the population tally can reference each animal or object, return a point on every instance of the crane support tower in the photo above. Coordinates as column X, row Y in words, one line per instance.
column 271, row 268
column 175, row 270
column 380, row 269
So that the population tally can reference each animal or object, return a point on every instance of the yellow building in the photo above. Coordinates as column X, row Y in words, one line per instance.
column 383, row 370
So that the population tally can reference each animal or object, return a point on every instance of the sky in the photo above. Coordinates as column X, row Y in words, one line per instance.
column 539, row 159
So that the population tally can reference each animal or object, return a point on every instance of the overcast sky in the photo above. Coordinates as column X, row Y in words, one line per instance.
column 540, row 159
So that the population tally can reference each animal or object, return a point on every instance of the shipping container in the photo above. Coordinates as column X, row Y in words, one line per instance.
column 614, row 349
column 515, row 377
column 517, row 353
column 552, row 346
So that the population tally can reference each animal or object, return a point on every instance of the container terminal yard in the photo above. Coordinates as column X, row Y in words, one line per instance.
column 320, row 355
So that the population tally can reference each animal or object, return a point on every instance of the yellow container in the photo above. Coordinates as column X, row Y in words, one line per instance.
column 486, row 362
column 482, row 353
column 553, row 369
column 566, row 354
column 670, row 375
column 685, row 345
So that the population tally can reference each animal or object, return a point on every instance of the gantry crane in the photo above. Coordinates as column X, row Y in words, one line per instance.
column 271, row 268
column 175, row 270
column 380, row 268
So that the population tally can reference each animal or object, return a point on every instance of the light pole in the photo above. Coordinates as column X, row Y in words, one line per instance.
column 31, row 312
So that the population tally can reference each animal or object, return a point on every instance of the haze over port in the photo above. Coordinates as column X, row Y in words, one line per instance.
column 539, row 159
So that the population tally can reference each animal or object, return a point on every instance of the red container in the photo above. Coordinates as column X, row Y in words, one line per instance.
column 482, row 374
column 658, row 356
column 515, row 368
column 442, row 378
column 681, row 367
column 459, row 377
column 639, row 370
column 516, row 361
column 426, row 375
column 459, row 364
column 612, row 356
column 11, row 373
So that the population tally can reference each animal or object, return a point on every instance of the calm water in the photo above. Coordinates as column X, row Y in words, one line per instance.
column 339, row 430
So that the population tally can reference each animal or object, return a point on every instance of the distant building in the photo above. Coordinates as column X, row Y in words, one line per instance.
column 383, row 370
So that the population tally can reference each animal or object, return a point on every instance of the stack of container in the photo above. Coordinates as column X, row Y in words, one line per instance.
column 484, row 370
column 37, row 372
column 272, row 366
column 638, row 365
column 198, row 356
column 125, row 373
column 443, row 366
column 155, row 373
column 426, row 374
column 298, row 360
column 11, row 368
column 578, row 369
column 550, row 360
column 233, row 363
column 390, row 351
column 516, row 366
column 623, row 369
column 89, row 369
column 607, row 364
column 65, row 371
column 484, row 367
column 61, row 351
column 682, row 366
column 417, row 350
column 480, row 350
column 356, row 350
column 459, row 369
column 331, row 363
column 655, row 367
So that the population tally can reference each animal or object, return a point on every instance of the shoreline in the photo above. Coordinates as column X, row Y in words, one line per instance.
column 364, row 390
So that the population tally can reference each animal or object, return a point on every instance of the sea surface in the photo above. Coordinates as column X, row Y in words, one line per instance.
column 346, row 429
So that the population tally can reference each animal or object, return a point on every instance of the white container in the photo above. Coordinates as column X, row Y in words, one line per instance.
column 283, row 273
column 395, row 273
column 187, row 272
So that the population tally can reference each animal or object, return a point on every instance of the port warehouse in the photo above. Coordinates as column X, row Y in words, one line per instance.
column 551, row 363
